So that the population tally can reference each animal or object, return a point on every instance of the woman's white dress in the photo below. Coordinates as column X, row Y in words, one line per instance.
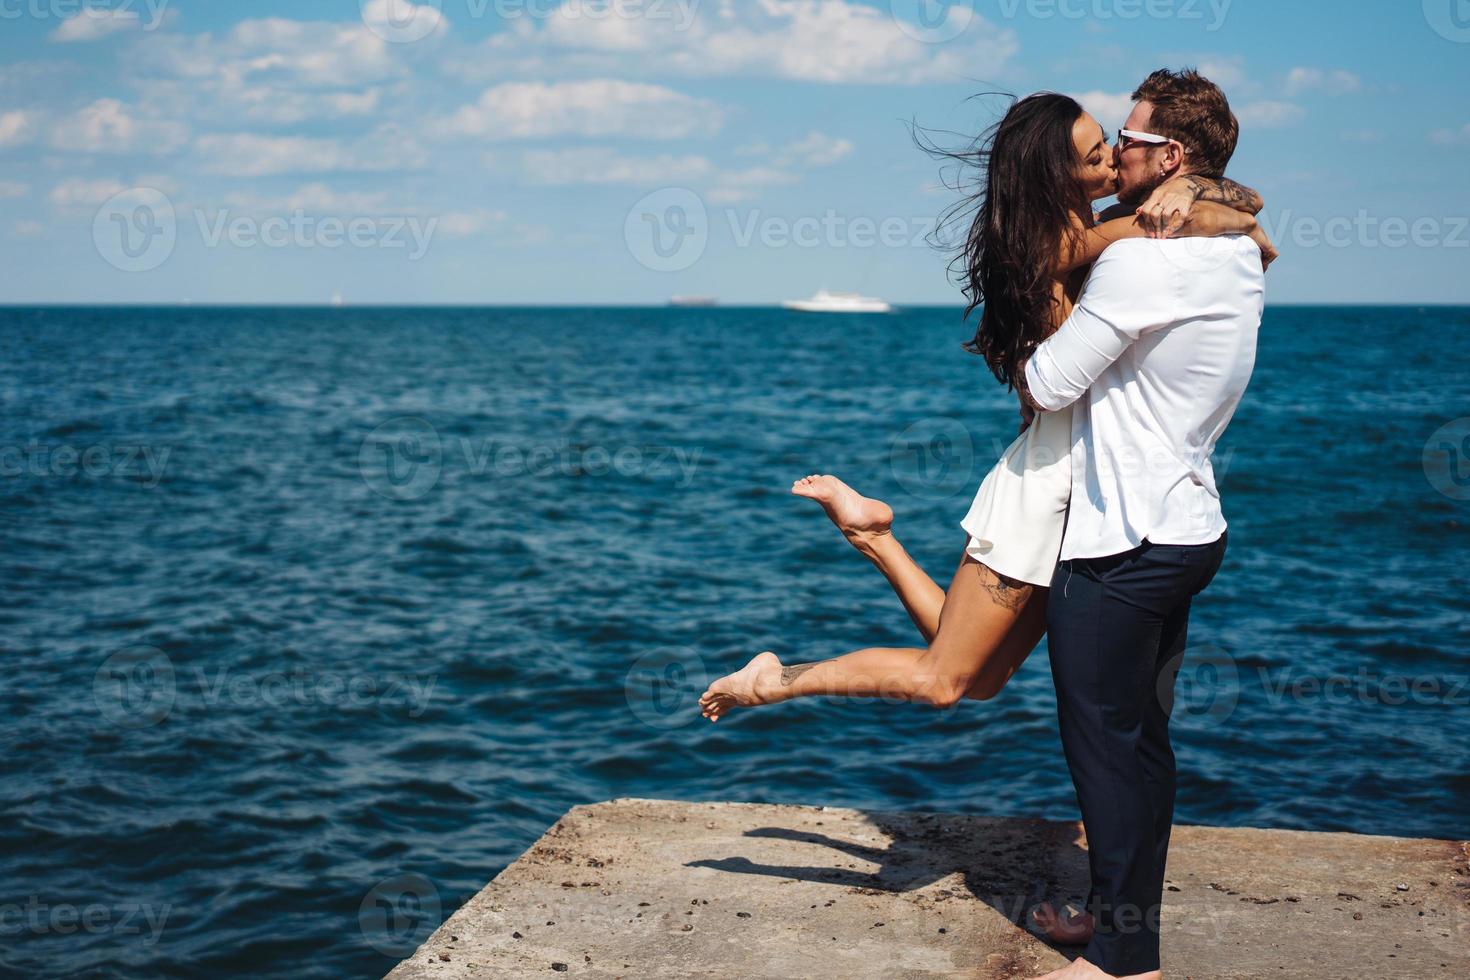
column 1017, row 518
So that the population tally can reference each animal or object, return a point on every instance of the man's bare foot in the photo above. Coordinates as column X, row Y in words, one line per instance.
column 859, row 518
column 758, row 682
column 1083, row 970
column 1066, row 930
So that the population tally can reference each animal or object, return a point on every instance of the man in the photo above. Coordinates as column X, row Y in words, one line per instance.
column 1156, row 357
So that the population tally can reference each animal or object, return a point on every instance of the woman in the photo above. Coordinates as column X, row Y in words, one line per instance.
column 1032, row 241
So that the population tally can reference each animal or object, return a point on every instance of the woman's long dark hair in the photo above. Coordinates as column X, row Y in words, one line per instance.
column 1024, row 200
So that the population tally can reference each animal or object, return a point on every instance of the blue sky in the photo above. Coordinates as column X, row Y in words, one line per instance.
column 623, row 151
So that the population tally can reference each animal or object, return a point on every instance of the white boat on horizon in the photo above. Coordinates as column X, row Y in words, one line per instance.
column 827, row 301
column 694, row 302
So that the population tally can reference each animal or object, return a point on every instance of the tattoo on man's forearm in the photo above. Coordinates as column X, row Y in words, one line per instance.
column 1227, row 192
column 790, row 674
column 1008, row 593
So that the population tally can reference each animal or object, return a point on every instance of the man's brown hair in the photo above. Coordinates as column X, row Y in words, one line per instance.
column 1190, row 108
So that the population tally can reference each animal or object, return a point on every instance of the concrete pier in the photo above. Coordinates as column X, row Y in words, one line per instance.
column 651, row 888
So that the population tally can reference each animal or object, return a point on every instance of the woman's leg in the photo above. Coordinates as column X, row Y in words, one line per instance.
column 987, row 627
column 867, row 524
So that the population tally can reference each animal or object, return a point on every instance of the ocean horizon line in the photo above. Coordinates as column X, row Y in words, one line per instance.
column 225, row 305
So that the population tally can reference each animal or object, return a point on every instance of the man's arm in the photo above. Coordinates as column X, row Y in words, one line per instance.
column 1227, row 192
column 1167, row 208
column 1129, row 294
column 1204, row 219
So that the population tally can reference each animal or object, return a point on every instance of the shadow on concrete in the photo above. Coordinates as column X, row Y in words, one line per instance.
column 1010, row 865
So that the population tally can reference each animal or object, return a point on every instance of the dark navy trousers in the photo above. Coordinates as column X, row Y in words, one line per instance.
column 1117, row 629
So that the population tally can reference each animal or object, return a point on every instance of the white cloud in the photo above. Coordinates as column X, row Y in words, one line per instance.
column 280, row 52
column 1269, row 114
column 84, row 193
column 254, row 155
column 1451, row 137
column 109, row 126
column 831, row 41
column 12, row 188
column 157, row 182
column 743, row 185
column 274, row 71
column 403, row 20
column 1336, row 82
column 463, row 224
column 321, row 199
column 94, row 23
column 317, row 198
column 600, row 165
column 27, row 229
column 16, row 128
column 1226, row 72
column 601, row 107
column 282, row 106
column 277, row 105
column 814, row 150
column 1111, row 109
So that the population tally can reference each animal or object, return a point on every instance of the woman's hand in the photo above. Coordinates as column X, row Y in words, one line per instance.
column 1169, row 207
column 1209, row 220
column 1269, row 253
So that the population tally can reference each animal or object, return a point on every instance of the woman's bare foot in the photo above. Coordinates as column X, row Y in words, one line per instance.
column 1068, row 930
column 758, row 682
column 859, row 518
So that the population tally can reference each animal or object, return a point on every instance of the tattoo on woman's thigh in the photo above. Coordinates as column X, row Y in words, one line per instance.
column 1008, row 593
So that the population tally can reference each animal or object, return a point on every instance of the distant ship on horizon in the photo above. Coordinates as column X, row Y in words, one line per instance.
column 693, row 301
column 826, row 301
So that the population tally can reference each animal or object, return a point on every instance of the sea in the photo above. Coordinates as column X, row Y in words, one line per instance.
column 315, row 619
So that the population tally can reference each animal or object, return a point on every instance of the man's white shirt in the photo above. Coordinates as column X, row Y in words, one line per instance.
column 1155, row 358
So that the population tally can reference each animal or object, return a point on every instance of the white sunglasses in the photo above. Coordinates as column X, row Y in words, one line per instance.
column 1127, row 137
